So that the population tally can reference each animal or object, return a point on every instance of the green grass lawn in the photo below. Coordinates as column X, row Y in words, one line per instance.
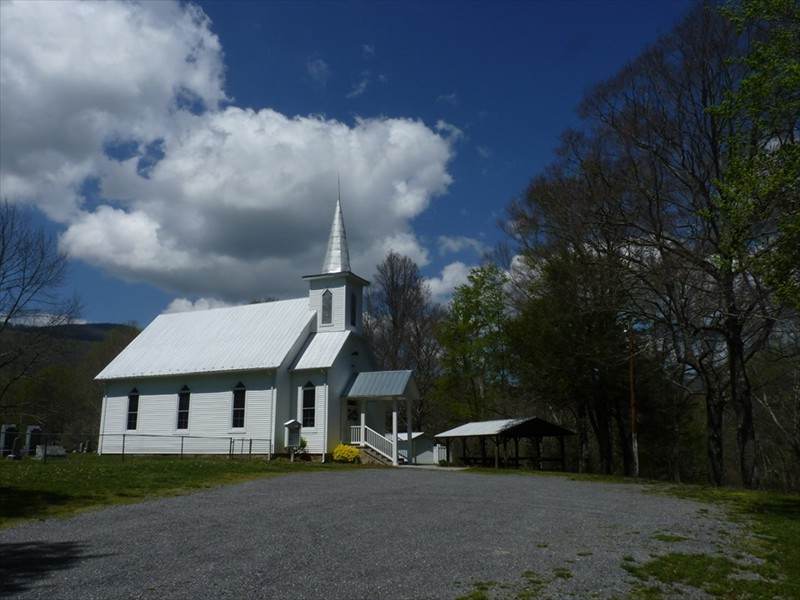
column 31, row 489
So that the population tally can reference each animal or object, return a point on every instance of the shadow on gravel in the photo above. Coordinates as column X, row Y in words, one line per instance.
column 23, row 564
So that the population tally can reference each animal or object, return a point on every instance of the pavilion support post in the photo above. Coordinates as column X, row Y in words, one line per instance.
column 497, row 453
column 464, row 450
column 483, row 451
column 563, row 457
column 394, row 432
column 516, row 451
column 411, row 456
column 538, row 453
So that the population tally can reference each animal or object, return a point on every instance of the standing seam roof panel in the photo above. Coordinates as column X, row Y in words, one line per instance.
column 256, row 336
column 321, row 350
column 379, row 384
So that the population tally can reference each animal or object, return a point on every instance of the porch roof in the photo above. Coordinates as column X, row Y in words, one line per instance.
column 382, row 384
column 509, row 428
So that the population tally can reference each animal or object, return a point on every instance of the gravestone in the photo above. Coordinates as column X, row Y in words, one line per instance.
column 33, row 437
column 54, row 451
column 8, row 436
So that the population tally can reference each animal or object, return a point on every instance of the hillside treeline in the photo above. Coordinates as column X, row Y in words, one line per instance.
column 53, row 386
column 648, row 296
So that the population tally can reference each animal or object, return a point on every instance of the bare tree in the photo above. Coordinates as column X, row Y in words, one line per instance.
column 32, row 272
column 645, row 182
column 401, row 324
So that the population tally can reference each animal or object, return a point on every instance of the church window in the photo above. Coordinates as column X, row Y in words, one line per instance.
column 183, row 408
column 353, row 309
column 133, row 409
column 309, row 404
column 239, row 392
column 327, row 307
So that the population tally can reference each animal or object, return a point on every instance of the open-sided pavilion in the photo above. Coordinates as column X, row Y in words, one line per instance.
column 500, row 432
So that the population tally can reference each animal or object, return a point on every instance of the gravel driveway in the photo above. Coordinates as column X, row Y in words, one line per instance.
column 371, row 533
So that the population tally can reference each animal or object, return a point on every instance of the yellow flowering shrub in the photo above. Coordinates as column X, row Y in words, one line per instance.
column 346, row 454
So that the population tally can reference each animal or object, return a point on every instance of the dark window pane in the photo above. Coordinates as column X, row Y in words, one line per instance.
column 183, row 408
column 309, row 406
column 133, row 409
column 238, row 407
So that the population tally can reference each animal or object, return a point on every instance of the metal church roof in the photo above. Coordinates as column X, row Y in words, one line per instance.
column 321, row 350
column 256, row 336
column 382, row 384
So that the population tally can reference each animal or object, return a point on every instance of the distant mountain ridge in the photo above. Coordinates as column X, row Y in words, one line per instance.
column 84, row 332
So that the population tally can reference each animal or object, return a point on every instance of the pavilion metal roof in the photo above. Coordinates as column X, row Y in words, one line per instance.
column 255, row 336
column 510, row 428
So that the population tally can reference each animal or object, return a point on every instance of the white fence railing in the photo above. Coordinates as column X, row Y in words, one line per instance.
column 373, row 439
column 132, row 443
column 439, row 453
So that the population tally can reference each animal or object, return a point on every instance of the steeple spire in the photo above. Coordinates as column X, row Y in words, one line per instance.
column 337, row 258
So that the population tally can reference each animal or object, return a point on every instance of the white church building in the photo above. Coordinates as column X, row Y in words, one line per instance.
column 229, row 380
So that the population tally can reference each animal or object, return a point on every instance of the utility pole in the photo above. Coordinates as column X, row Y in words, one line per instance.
column 634, row 417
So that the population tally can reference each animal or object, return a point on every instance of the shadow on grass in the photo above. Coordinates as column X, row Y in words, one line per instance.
column 24, row 564
column 18, row 503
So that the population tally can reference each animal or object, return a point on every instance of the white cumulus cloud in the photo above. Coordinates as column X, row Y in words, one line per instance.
column 452, row 276
column 193, row 194
column 456, row 244
column 179, row 305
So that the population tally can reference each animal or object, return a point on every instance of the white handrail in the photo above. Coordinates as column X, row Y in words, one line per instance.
column 373, row 439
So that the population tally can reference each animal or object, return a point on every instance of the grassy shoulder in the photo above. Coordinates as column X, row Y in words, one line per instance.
column 31, row 489
column 772, row 519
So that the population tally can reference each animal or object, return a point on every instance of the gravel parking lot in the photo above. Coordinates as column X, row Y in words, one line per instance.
column 371, row 533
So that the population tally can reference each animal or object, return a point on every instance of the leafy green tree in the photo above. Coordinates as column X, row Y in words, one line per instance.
column 570, row 346
column 474, row 340
column 763, row 170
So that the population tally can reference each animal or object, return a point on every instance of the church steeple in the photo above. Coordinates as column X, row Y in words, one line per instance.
column 337, row 294
column 337, row 258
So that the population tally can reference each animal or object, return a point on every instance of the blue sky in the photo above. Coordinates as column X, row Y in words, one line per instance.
column 187, row 155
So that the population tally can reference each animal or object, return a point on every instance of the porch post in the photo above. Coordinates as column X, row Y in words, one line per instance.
column 363, row 404
column 394, row 432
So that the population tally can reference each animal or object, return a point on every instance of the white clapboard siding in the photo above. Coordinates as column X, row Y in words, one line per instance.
column 210, row 428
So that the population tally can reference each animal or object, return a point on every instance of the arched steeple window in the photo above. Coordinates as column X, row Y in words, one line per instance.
column 327, row 307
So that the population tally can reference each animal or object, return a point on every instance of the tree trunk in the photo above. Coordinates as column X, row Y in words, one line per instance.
column 741, row 394
column 714, row 413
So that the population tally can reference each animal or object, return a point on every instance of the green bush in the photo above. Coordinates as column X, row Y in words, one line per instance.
column 346, row 454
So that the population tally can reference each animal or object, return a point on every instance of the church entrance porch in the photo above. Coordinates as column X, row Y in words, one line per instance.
column 374, row 393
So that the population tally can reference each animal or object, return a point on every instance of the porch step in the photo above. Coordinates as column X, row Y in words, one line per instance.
column 371, row 457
